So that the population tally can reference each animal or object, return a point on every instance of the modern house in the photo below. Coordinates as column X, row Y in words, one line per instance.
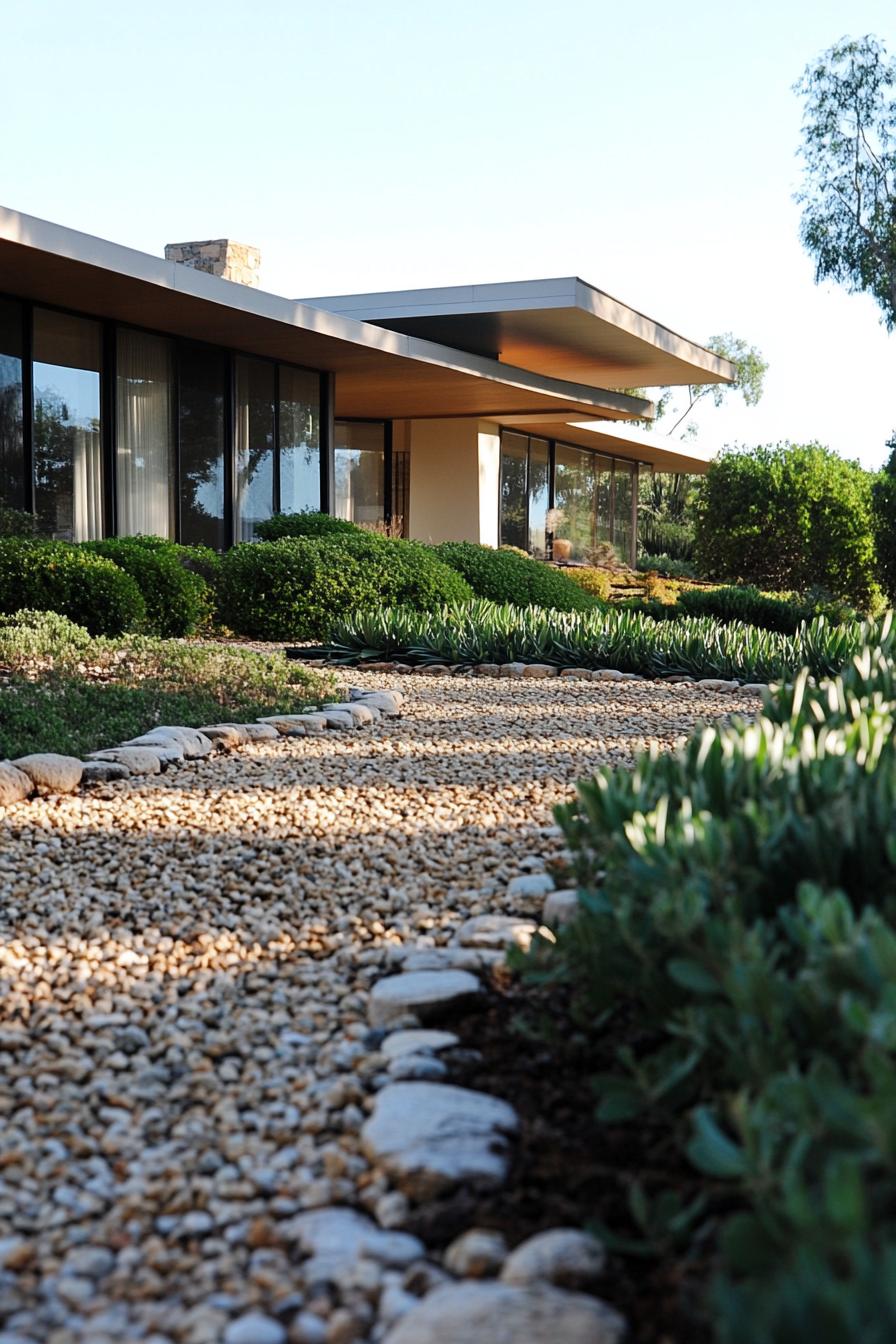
column 173, row 396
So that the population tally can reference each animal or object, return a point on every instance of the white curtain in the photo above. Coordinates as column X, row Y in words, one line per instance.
column 87, row 485
column 145, row 434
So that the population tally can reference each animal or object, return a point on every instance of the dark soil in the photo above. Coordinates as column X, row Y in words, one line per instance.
column 568, row 1171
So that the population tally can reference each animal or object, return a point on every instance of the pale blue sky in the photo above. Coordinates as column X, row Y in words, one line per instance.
column 374, row 144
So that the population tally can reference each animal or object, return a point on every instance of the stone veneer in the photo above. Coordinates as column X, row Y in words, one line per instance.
column 219, row 256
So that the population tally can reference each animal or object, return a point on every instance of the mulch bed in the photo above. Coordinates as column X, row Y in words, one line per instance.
column 567, row 1169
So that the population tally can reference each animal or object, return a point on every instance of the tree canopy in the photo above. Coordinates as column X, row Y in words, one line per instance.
column 849, row 155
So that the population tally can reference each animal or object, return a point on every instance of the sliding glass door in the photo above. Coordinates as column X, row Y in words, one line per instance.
column 12, row 444
column 203, row 389
column 360, row 483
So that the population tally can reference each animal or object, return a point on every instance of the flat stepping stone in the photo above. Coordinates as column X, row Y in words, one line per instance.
column 500, row 1313
column 222, row 735
column 168, row 751
column 193, row 740
column 528, row 891
column 335, row 1239
column 290, row 725
column 254, row 732
column 496, row 932
column 417, row 1041
column 426, row 994
column 361, row 712
column 433, row 1137
column 50, row 772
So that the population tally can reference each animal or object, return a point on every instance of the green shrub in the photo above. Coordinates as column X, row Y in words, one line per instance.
column 177, row 600
column 734, row 960
column 29, row 635
column 504, row 576
column 17, row 523
column 745, row 604
column 295, row 588
column 883, row 494
column 596, row 582
column 136, row 683
column 666, row 565
column 303, row 525
column 54, row 576
column 483, row 632
column 788, row 517
column 662, row 537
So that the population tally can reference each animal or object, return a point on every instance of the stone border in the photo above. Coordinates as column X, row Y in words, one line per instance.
column 536, row 671
column 47, row 772
column 429, row 1137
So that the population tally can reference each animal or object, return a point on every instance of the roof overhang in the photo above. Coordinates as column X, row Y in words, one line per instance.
column 564, row 328
column 379, row 373
column 651, row 448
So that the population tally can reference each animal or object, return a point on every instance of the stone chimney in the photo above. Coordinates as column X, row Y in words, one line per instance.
column 219, row 256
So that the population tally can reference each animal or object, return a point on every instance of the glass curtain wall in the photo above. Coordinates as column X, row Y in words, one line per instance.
column 514, row 475
column 12, row 446
column 254, row 442
column 203, row 388
column 299, row 419
column 575, row 501
column 539, row 496
column 623, row 538
column 68, row 454
column 145, row 434
column 360, row 465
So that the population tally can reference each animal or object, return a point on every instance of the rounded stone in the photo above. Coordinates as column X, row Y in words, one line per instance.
column 50, row 772
column 563, row 1256
column 254, row 1328
column 427, row 994
column 478, row 1253
column 500, row 1313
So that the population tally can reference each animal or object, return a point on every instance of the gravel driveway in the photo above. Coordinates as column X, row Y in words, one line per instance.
column 184, row 969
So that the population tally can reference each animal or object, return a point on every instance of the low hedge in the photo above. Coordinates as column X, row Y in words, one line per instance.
column 784, row 614
column 303, row 525
column 733, row 966
column 177, row 599
column 296, row 587
column 70, row 580
column 484, row 632
column 505, row 576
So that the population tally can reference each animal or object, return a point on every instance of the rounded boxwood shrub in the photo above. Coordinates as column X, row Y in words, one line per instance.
column 296, row 587
column 177, row 600
column 303, row 525
column 55, row 576
column 505, row 576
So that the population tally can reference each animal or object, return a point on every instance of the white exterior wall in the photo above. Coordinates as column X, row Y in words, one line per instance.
column 454, row 480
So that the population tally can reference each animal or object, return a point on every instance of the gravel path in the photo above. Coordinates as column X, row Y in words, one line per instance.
column 184, row 970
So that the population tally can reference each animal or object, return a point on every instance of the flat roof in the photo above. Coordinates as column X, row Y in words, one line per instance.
column 380, row 374
column 561, row 327
column 651, row 447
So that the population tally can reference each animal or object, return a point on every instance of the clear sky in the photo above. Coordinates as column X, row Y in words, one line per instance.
column 377, row 144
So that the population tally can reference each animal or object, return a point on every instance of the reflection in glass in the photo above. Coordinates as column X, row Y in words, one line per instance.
column 68, row 459
column 254, row 439
column 575, row 497
column 202, row 396
column 360, row 463
column 514, row 459
column 12, row 451
column 299, row 440
column 144, row 449
column 622, row 513
column 604, row 526
column 539, row 495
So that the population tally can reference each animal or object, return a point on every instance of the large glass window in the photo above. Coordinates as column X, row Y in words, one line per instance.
column 539, row 495
column 514, row 476
column 254, row 438
column 603, row 530
column 360, row 465
column 299, row 440
column 202, row 479
column 145, row 434
column 622, row 512
column 68, row 456
column 575, row 499
column 12, row 449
